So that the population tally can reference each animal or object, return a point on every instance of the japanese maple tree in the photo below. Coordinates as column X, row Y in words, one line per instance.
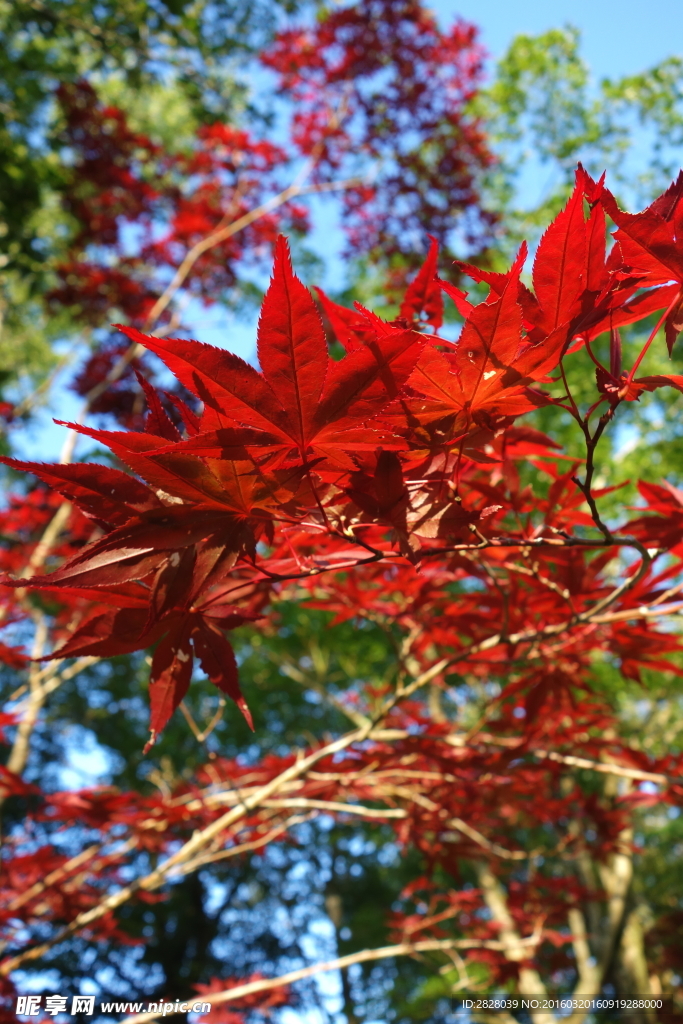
column 369, row 629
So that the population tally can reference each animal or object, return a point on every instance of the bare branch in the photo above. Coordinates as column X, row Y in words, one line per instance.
column 486, row 844
column 607, row 769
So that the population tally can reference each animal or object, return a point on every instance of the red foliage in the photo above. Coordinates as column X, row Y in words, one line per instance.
column 375, row 85
column 376, row 82
column 123, row 187
column 384, row 485
column 396, row 89
column 337, row 464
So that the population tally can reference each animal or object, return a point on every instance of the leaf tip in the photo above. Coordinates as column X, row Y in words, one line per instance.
column 150, row 742
column 244, row 708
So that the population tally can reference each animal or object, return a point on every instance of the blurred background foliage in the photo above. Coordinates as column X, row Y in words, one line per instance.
column 172, row 66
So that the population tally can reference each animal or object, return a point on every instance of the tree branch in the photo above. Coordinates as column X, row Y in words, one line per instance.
column 515, row 948
column 364, row 956
column 198, row 842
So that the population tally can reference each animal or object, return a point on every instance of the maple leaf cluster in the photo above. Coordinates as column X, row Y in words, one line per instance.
column 383, row 457
column 387, row 484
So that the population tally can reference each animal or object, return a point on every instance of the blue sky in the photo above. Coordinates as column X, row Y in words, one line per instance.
column 620, row 37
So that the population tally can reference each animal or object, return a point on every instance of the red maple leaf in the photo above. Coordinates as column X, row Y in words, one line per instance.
column 305, row 404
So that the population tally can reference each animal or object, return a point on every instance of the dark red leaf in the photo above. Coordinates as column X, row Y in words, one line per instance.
column 218, row 661
column 157, row 421
column 169, row 680
column 103, row 493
